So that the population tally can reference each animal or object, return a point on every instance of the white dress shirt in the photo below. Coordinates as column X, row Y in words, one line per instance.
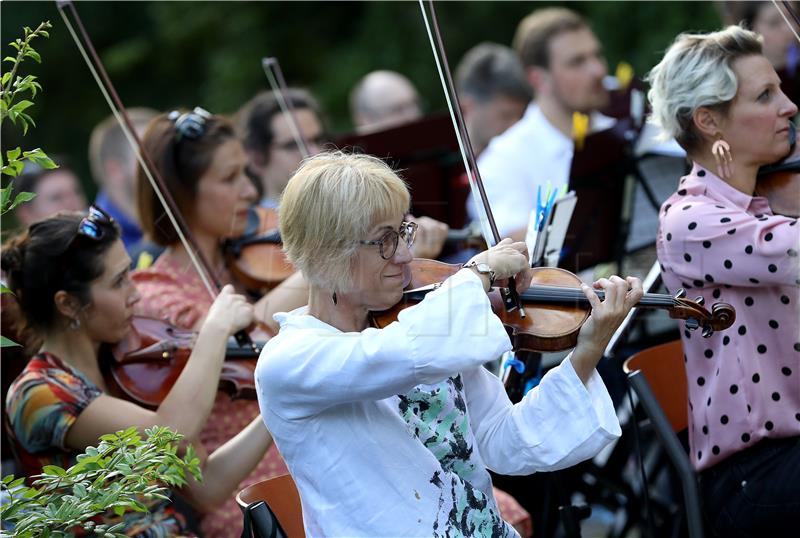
column 532, row 152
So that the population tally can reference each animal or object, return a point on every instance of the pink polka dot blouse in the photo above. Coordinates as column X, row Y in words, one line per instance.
column 744, row 382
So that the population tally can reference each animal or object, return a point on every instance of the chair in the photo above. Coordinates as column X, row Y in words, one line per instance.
column 281, row 496
column 658, row 377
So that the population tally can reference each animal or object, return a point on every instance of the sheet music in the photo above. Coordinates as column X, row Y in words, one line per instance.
column 547, row 245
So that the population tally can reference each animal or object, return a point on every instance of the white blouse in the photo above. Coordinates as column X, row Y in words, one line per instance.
column 389, row 432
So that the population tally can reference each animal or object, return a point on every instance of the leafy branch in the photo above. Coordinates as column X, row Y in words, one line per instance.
column 13, row 105
column 112, row 478
column 12, row 88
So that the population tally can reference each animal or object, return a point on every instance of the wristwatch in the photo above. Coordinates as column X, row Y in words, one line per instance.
column 482, row 268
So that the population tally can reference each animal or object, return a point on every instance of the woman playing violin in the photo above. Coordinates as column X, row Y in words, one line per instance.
column 70, row 275
column 203, row 164
column 390, row 432
column 721, row 99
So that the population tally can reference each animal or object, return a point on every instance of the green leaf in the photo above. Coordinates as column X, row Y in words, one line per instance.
column 35, row 55
column 7, row 342
column 22, row 105
column 40, row 157
column 9, row 171
column 44, row 33
column 54, row 470
column 13, row 154
column 10, row 59
column 21, row 198
column 119, row 510
column 4, row 289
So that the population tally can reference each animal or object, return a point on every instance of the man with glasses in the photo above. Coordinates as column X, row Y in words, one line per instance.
column 272, row 149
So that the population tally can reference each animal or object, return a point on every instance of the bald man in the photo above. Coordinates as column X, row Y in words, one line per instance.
column 383, row 99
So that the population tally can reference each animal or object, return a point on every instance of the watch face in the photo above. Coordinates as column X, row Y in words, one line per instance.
column 484, row 268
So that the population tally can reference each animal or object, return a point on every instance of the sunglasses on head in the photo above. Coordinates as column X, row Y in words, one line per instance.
column 94, row 226
column 191, row 125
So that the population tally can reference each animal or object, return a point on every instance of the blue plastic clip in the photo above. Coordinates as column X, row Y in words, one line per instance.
column 517, row 364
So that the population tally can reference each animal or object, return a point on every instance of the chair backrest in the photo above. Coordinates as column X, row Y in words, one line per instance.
column 281, row 495
column 663, row 368
column 657, row 375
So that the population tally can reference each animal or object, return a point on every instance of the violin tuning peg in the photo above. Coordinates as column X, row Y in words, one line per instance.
column 700, row 300
column 707, row 331
column 692, row 324
column 680, row 294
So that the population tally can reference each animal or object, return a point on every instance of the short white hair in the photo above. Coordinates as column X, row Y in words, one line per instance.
column 697, row 72
column 329, row 204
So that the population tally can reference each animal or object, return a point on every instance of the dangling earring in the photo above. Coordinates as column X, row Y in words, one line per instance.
column 334, row 298
column 723, row 156
column 74, row 324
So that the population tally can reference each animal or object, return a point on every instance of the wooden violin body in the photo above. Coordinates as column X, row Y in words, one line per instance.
column 256, row 259
column 779, row 183
column 555, row 307
column 144, row 367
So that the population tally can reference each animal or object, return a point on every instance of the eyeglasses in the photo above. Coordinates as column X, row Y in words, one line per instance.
column 191, row 125
column 291, row 145
column 388, row 243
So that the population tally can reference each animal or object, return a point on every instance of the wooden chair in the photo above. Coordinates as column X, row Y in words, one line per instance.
column 281, row 496
column 657, row 375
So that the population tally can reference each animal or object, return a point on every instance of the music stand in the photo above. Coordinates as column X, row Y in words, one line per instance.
column 425, row 153
column 598, row 173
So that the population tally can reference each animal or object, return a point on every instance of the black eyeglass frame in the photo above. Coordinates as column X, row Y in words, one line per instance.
column 407, row 231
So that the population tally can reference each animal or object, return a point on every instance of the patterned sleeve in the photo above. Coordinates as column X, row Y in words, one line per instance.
column 43, row 405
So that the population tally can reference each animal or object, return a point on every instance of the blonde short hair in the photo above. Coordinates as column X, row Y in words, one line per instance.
column 696, row 72
column 329, row 204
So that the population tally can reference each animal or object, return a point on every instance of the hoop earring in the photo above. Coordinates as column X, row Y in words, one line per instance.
column 74, row 324
column 335, row 301
column 722, row 154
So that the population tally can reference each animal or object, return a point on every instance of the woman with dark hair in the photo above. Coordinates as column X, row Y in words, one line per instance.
column 203, row 165
column 70, row 275
column 720, row 98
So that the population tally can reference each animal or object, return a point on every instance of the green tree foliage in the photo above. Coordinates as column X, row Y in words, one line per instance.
column 113, row 477
column 166, row 54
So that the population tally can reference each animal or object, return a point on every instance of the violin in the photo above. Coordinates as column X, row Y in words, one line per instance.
column 256, row 259
column 556, row 307
column 779, row 183
column 147, row 363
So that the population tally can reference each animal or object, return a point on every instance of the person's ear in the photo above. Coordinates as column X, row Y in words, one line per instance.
column 707, row 122
column 66, row 304
column 539, row 79
column 468, row 104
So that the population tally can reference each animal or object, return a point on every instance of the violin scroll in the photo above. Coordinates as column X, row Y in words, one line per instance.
column 721, row 317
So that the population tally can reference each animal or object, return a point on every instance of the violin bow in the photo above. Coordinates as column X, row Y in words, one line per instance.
column 272, row 69
column 788, row 8
column 511, row 300
column 111, row 96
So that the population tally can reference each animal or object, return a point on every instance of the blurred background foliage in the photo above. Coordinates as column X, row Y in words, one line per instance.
column 168, row 54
